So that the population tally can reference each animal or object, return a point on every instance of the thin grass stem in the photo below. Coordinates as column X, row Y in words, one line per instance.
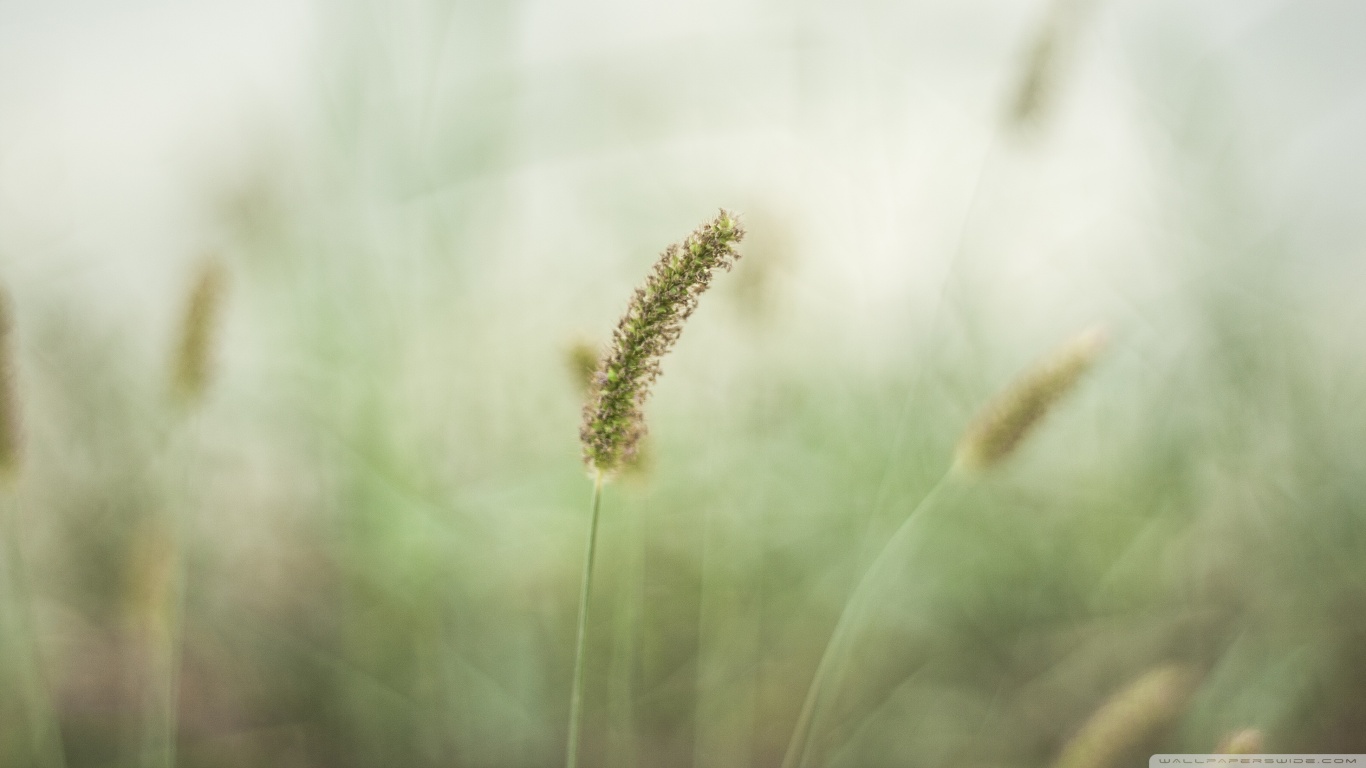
column 626, row 631
column 166, row 625
column 834, row 658
column 571, row 759
column 45, row 733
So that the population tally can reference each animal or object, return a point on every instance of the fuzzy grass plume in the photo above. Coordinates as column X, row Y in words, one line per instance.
column 1130, row 717
column 1003, row 423
column 581, row 360
column 191, row 364
column 613, row 420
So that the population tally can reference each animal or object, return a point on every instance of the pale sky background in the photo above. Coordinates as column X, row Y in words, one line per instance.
column 864, row 126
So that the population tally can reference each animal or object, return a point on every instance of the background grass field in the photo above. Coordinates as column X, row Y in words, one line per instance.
column 376, row 515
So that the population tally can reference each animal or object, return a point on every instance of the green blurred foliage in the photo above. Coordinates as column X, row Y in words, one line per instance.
column 365, row 546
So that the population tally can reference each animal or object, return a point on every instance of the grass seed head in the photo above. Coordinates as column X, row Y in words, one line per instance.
column 1130, row 717
column 192, row 364
column 1003, row 424
column 613, row 419
column 1040, row 71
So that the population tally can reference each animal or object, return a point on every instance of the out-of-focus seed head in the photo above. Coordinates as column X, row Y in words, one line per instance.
column 581, row 357
column 613, row 419
column 1041, row 68
column 1003, row 424
column 1131, row 716
column 192, row 362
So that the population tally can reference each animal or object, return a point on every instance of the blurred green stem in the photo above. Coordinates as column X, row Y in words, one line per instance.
column 576, row 694
column 849, row 620
column 44, row 727
column 162, row 630
column 164, row 647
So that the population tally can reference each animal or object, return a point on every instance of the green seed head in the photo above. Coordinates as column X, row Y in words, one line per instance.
column 1006, row 421
column 613, row 420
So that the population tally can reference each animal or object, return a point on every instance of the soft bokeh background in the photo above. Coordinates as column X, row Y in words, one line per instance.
column 363, row 547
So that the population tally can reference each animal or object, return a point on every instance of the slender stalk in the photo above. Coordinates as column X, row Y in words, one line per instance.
column 621, row 707
column 163, row 639
column 843, row 633
column 160, row 594
column 571, row 758
column 165, row 628
column 44, row 725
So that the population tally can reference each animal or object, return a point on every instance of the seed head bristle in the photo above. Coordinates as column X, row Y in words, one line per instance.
column 1000, row 427
column 1248, row 741
column 10, row 448
column 199, row 326
column 1130, row 717
column 613, row 420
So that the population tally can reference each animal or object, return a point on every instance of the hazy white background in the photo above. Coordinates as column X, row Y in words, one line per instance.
column 867, row 125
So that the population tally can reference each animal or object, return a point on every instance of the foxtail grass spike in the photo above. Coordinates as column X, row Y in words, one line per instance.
column 613, row 420
column 10, row 448
column 1006, row 421
column 1130, row 717
column 1248, row 741
column 192, row 365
